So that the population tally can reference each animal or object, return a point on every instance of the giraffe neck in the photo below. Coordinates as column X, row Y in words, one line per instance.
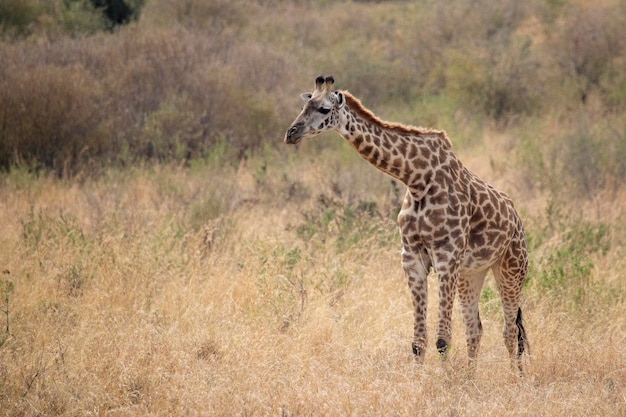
column 409, row 154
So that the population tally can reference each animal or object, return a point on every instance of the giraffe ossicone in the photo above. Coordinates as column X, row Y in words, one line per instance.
column 451, row 220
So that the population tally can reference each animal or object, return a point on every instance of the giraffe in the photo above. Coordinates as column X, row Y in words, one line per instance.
column 451, row 220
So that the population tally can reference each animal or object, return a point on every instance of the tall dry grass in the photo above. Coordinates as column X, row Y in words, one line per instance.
column 220, row 291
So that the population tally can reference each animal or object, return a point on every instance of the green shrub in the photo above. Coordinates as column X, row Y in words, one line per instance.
column 346, row 224
column 80, row 16
column 23, row 18
column 41, row 229
column 16, row 16
column 563, row 249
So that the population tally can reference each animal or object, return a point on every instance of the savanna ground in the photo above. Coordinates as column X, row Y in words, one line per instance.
column 163, row 253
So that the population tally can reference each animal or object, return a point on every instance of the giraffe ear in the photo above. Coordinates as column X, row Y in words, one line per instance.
column 306, row 96
column 341, row 100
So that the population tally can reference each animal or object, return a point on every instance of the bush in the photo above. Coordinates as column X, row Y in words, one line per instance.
column 22, row 18
column 49, row 119
column 498, row 82
column 564, row 249
column 347, row 224
column 193, row 75
column 587, row 44
column 578, row 162
column 103, row 100
column 16, row 17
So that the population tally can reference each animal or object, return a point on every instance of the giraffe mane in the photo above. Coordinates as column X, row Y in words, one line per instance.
column 366, row 114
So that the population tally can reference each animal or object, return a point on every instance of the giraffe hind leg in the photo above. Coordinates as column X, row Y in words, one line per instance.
column 513, row 332
column 469, row 289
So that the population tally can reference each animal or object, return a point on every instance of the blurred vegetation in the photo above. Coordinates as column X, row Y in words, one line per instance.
column 25, row 18
column 79, row 92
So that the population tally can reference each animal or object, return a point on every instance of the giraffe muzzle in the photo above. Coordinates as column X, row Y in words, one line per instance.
column 294, row 134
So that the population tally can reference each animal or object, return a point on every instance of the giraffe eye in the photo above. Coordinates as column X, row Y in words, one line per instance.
column 323, row 110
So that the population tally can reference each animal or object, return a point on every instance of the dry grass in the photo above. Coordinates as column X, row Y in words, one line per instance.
column 133, row 297
column 261, row 280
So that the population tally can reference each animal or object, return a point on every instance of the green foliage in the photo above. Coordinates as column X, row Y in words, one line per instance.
column 16, row 16
column 487, row 294
column 41, row 228
column 23, row 18
column 564, row 248
column 567, row 274
column 81, row 16
column 489, row 300
column 346, row 224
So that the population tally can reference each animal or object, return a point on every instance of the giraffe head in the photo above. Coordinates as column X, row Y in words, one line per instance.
column 320, row 112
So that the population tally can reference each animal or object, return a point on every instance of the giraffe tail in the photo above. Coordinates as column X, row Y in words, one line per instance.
column 522, row 341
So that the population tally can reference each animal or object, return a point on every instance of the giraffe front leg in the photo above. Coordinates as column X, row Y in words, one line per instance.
column 444, row 325
column 416, row 266
column 447, row 274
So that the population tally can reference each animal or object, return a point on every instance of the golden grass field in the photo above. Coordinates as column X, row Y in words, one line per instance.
column 189, row 291
column 163, row 253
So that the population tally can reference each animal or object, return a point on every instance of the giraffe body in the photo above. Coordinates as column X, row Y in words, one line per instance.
column 451, row 220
